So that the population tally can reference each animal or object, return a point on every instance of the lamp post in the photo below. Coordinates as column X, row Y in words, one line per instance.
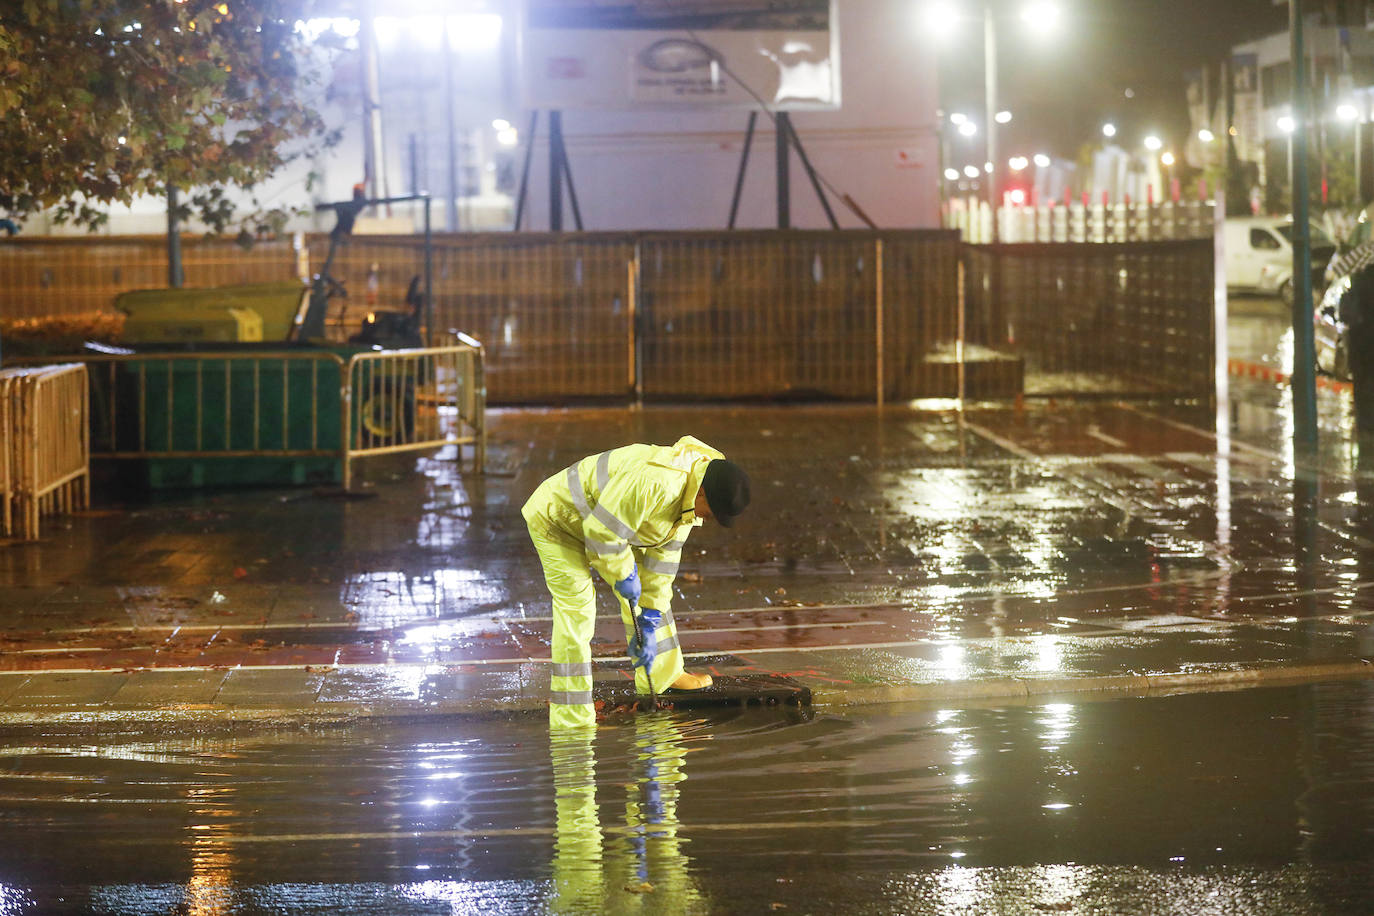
column 990, row 98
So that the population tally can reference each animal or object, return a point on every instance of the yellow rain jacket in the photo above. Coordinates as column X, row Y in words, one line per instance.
column 629, row 507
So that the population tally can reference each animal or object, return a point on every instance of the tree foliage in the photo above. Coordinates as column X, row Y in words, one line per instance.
column 105, row 100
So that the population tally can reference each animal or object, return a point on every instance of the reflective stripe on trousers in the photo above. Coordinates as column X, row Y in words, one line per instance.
column 574, row 623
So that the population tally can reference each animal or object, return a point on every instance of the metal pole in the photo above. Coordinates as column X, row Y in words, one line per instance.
column 743, row 164
column 784, row 191
column 555, row 171
column 175, row 276
column 451, row 199
column 811, row 173
column 525, row 170
column 374, row 162
column 429, row 277
column 567, row 174
column 1304, row 353
column 990, row 95
column 878, row 316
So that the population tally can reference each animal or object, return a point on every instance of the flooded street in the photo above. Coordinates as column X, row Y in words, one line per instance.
column 284, row 701
column 1257, row 801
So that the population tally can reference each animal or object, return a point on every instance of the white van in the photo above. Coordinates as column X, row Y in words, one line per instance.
column 1259, row 255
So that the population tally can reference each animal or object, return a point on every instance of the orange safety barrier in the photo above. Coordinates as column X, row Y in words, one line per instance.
column 1246, row 369
column 47, row 444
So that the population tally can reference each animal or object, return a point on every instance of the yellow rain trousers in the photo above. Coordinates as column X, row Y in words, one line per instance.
column 625, row 508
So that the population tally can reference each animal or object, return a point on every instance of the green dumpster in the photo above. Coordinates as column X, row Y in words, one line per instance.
column 211, row 418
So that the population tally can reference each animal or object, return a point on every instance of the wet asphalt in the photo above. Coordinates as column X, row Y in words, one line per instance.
column 913, row 553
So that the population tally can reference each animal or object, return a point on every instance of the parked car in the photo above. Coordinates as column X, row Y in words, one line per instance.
column 1259, row 255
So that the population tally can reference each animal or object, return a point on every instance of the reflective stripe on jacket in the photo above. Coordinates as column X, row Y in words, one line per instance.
column 636, row 497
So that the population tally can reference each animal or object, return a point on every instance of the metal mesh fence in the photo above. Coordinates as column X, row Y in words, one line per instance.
column 42, row 277
column 555, row 313
column 1129, row 319
column 700, row 315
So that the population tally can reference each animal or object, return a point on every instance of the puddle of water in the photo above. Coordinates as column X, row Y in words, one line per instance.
column 1258, row 801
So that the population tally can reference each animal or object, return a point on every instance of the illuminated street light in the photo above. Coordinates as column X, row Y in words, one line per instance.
column 500, row 124
column 1042, row 16
column 1287, row 124
column 940, row 18
column 1206, row 136
column 968, row 128
column 1109, row 129
column 1167, row 158
column 1347, row 112
column 971, row 171
column 1042, row 161
column 958, row 118
column 987, row 167
column 952, row 174
column 508, row 137
column 1017, row 163
column 1153, row 143
column 1017, row 196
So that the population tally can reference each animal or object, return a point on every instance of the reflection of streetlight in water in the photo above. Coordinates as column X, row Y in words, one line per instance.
column 644, row 855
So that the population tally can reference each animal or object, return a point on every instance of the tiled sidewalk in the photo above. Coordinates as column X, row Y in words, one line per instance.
column 902, row 555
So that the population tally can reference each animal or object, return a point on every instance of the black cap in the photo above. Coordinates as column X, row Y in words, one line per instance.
column 727, row 490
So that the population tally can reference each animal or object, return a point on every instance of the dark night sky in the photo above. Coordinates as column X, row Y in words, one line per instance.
column 1061, row 88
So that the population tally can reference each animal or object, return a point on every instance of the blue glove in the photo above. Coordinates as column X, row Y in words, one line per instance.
column 628, row 587
column 649, row 622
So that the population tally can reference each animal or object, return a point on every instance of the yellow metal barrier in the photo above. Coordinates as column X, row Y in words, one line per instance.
column 9, row 430
column 47, row 465
column 408, row 400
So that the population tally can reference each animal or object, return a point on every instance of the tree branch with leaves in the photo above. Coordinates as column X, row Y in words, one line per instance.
column 102, row 101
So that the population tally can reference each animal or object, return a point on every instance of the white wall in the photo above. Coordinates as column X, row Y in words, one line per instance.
column 633, row 170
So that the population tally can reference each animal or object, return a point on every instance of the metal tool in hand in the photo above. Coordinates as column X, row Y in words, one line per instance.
column 648, row 672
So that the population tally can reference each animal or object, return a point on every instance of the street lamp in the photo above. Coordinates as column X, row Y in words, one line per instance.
column 1040, row 15
column 1206, row 136
column 1153, row 143
column 1109, row 129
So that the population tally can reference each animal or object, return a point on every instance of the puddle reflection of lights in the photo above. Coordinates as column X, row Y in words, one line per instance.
column 1057, row 806
column 1049, row 654
column 14, row 900
column 962, row 779
column 958, row 888
column 1058, row 723
column 952, row 661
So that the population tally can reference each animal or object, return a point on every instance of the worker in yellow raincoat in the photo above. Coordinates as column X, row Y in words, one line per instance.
column 625, row 513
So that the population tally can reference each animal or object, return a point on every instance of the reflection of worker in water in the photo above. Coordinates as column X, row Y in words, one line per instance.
column 626, row 513
column 644, row 866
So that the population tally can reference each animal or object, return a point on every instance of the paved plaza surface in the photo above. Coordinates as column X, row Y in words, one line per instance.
column 1002, row 552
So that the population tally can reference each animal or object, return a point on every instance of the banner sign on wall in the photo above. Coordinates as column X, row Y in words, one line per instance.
column 1245, row 86
column 670, row 54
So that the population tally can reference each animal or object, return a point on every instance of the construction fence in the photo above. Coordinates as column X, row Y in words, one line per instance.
column 44, row 446
column 881, row 316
